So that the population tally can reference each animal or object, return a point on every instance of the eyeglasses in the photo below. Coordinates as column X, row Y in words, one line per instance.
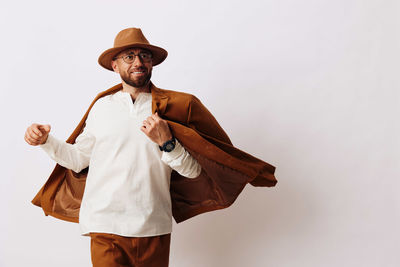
column 130, row 58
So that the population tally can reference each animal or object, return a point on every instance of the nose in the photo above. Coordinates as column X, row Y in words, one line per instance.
column 137, row 61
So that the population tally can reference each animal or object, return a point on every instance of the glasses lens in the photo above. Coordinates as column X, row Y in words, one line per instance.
column 129, row 58
column 144, row 56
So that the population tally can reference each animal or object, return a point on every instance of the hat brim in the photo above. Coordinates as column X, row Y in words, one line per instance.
column 159, row 54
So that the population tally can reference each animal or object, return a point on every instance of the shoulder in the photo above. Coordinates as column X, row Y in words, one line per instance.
column 179, row 104
column 182, row 102
column 175, row 93
column 102, row 99
column 179, row 96
column 100, row 102
column 105, row 96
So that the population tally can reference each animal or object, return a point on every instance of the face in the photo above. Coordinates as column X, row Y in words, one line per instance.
column 137, row 73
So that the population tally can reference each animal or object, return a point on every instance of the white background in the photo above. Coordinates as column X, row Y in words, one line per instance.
column 311, row 86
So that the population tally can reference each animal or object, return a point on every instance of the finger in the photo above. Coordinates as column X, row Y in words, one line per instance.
column 143, row 129
column 36, row 130
column 146, row 124
column 32, row 134
column 30, row 140
column 45, row 128
column 155, row 117
column 26, row 140
column 149, row 122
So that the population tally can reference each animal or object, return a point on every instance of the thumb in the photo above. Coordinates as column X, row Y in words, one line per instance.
column 45, row 127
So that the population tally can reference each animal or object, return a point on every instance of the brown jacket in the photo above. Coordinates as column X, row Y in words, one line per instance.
column 225, row 169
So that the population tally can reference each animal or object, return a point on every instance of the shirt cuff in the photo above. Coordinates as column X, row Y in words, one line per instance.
column 168, row 157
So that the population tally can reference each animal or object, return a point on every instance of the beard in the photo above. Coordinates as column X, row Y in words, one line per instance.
column 139, row 82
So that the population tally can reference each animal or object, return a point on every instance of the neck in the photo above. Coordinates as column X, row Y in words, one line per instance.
column 134, row 91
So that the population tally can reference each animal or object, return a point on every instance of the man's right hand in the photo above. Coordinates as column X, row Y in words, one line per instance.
column 37, row 134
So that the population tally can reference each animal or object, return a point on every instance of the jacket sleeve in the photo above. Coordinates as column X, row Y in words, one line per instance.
column 75, row 156
column 260, row 173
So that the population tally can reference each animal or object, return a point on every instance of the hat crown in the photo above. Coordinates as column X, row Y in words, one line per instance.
column 130, row 36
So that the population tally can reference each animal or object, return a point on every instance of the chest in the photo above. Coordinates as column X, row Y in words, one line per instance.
column 121, row 119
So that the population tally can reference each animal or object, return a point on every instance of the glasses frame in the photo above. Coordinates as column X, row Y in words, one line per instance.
column 138, row 55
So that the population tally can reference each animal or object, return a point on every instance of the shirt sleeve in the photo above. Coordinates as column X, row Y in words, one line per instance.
column 71, row 156
column 181, row 161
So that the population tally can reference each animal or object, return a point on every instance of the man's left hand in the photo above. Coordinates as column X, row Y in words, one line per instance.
column 156, row 129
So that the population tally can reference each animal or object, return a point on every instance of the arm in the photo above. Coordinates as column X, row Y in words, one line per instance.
column 71, row 156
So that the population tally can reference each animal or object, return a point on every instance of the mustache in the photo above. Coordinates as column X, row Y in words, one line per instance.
column 139, row 69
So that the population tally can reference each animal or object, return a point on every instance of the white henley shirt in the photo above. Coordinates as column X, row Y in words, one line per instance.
column 127, row 186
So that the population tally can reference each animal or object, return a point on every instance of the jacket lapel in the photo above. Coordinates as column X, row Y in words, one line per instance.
column 159, row 100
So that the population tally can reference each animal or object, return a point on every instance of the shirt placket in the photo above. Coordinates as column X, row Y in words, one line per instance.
column 127, row 99
column 135, row 106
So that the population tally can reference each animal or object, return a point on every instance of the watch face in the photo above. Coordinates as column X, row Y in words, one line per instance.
column 169, row 146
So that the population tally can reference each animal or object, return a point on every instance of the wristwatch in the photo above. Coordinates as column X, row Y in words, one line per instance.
column 169, row 145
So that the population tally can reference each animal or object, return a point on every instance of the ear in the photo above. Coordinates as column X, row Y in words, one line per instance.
column 114, row 65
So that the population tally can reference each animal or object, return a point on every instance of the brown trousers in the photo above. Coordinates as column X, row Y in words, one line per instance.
column 110, row 250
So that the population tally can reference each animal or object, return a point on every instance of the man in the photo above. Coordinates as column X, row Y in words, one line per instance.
column 141, row 155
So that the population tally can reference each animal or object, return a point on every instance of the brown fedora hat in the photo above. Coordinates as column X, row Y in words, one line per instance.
column 131, row 37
